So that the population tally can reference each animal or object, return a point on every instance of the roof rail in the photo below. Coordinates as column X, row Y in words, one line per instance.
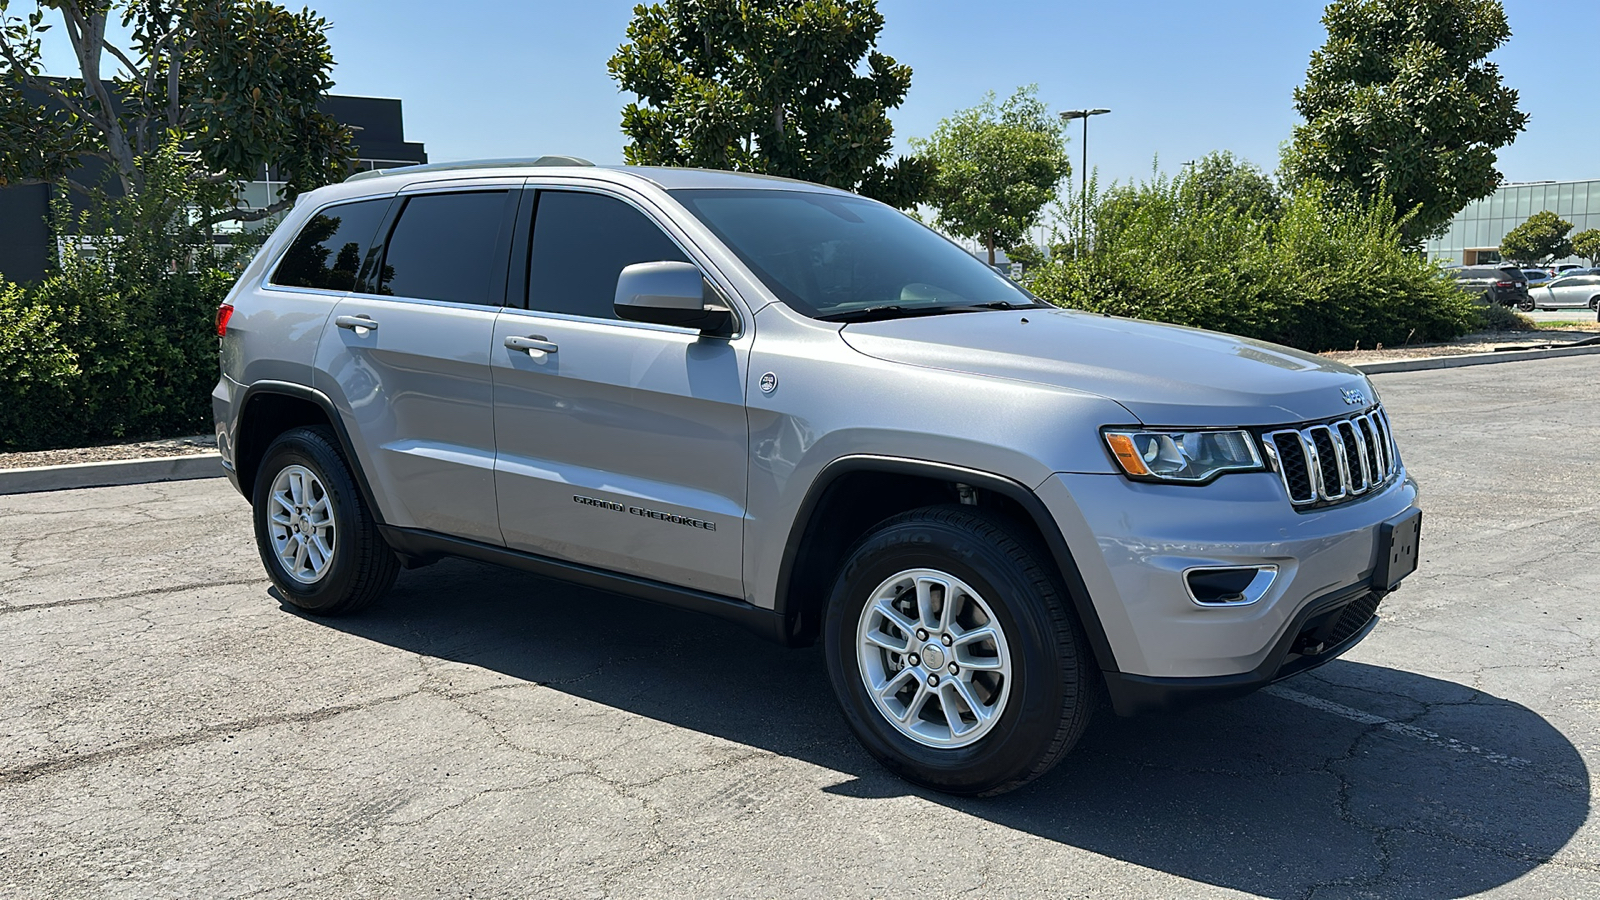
column 519, row 162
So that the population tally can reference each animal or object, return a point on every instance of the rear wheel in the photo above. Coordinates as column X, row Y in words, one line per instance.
column 954, row 655
column 1527, row 305
column 1594, row 303
column 317, row 539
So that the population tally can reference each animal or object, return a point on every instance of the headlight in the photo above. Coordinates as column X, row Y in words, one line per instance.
column 1188, row 456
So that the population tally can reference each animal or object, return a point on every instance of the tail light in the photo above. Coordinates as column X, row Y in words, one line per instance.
column 224, row 313
column 1504, row 284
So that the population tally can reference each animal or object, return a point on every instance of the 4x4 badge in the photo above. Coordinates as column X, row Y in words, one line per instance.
column 769, row 383
column 1353, row 396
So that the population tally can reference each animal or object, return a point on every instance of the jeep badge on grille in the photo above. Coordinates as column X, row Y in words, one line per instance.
column 1353, row 397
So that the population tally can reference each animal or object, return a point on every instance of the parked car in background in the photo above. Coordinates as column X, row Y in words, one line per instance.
column 1576, row 288
column 1505, row 285
column 1564, row 268
column 1538, row 278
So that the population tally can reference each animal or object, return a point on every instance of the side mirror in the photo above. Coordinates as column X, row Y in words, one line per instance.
column 671, row 293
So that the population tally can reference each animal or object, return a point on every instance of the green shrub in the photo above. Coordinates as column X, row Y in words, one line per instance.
column 123, row 328
column 37, row 371
column 1494, row 317
column 1315, row 275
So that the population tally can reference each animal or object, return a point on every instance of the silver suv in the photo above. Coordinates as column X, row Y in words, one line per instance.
column 803, row 411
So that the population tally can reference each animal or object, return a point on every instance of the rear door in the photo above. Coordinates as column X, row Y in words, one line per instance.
column 406, row 358
column 622, row 445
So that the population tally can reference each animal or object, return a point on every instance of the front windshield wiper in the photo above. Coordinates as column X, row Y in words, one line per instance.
column 897, row 311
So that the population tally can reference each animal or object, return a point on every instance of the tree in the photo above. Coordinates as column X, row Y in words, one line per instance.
column 1587, row 245
column 770, row 86
column 235, row 82
column 996, row 167
column 1402, row 102
column 1222, row 178
column 1541, row 239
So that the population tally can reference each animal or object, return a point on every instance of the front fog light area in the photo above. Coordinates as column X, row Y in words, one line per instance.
column 1190, row 456
column 1228, row 586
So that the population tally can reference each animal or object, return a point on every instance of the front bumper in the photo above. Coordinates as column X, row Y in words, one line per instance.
column 1322, row 631
column 1133, row 541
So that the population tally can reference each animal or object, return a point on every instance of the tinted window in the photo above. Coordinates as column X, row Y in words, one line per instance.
column 581, row 243
column 833, row 254
column 443, row 247
column 328, row 251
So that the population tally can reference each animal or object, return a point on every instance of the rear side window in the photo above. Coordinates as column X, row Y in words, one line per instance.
column 328, row 251
column 444, row 247
column 581, row 243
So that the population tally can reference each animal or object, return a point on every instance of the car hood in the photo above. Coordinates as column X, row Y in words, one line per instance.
column 1163, row 374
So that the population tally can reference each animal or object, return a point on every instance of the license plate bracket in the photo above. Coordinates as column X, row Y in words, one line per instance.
column 1397, row 547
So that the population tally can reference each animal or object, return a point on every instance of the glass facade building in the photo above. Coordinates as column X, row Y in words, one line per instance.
column 1475, row 233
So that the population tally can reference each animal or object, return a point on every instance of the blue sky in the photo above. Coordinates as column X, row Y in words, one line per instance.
column 484, row 79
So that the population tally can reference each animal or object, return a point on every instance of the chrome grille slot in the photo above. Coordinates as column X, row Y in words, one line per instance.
column 1333, row 462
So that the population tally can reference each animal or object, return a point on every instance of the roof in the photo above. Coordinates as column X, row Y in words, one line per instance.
column 666, row 177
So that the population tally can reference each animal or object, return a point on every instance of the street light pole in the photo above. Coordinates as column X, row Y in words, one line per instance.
column 1083, row 192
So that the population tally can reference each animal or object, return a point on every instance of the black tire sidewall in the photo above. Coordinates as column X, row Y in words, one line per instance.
column 1034, row 708
column 308, row 448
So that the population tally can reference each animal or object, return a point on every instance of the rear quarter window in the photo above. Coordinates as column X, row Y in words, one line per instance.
column 331, row 246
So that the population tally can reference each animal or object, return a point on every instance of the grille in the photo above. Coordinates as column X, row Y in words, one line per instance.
column 1332, row 462
column 1354, row 618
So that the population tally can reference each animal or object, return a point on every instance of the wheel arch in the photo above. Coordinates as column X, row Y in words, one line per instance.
column 268, row 409
column 838, row 509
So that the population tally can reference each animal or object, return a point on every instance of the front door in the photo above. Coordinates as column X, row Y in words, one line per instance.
column 621, row 445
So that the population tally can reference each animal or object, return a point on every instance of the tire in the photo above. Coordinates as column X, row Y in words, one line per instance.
column 318, row 506
column 1037, row 709
column 1594, row 304
column 1527, row 305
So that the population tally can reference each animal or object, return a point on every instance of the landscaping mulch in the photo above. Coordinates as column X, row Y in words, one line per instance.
column 1480, row 342
column 181, row 446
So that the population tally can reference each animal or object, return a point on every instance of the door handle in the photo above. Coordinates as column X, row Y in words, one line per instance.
column 356, row 322
column 532, row 343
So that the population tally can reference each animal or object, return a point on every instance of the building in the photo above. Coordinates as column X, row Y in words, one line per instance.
column 26, row 245
column 1475, row 233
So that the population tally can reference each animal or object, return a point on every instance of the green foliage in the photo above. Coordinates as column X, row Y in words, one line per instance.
column 119, row 343
column 771, row 86
column 1402, row 103
column 1220, row 178
column 1030, row 256
column 1495, row 317
column 1540, row 239
column 236, row 81
column 37, row 368
column 1587, row 245
column 996, row 168
column 1325, row 274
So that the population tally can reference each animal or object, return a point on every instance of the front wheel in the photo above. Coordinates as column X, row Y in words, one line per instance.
column 317, row 539
column 1527, row 305
column 1594, row 303
column 954, row 654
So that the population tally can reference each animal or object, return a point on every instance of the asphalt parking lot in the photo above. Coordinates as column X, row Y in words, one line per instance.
column 167, row 729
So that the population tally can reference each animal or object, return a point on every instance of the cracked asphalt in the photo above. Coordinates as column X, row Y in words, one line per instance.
column 167, row 729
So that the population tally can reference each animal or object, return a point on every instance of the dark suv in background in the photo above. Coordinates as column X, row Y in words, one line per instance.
column 1505, row 285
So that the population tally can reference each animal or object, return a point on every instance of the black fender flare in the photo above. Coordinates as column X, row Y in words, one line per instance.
column 1013, row 490
column 331, row 412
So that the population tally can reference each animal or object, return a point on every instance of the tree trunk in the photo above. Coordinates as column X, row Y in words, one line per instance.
column 989, row 239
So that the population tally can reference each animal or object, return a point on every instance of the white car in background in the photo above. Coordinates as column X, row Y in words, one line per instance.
column 1578, row 288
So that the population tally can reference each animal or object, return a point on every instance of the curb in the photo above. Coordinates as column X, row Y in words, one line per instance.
column 1473, row 359
column 111, row 472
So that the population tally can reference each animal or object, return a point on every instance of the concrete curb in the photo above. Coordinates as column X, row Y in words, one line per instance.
column 1473, row 359
column 111, row 472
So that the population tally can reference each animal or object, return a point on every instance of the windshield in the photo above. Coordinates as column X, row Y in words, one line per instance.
column 847, row 258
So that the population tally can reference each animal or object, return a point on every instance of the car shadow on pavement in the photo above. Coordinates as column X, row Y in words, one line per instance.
column 1350, row 780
